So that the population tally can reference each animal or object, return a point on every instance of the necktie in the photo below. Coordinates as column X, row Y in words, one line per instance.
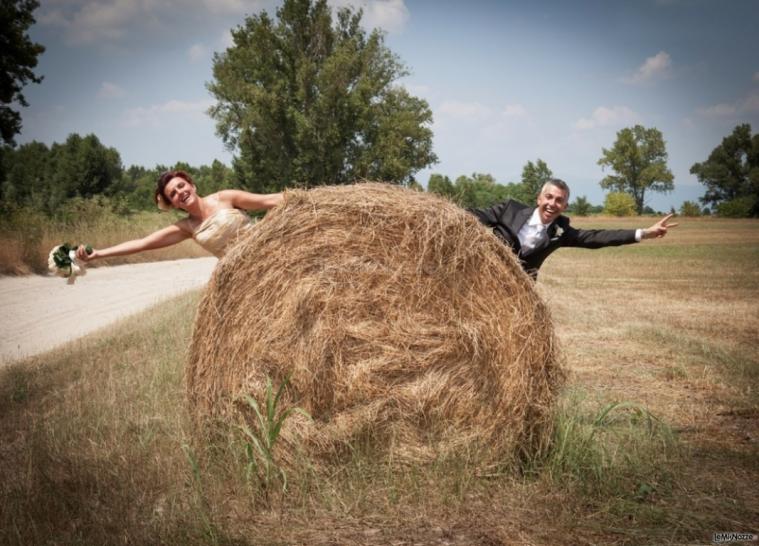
column 541, row 237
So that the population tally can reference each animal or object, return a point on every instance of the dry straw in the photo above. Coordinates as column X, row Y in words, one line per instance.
column 396, row 315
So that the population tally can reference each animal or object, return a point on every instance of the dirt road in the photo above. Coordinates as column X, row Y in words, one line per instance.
column 38, row 313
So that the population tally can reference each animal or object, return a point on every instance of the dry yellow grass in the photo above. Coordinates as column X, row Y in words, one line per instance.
column 93, row 437
column 27, row 238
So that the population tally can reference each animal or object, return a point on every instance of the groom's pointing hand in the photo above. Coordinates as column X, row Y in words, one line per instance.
column 659, row 229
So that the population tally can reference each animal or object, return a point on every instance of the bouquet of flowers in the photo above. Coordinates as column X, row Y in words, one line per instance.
column 62, row 262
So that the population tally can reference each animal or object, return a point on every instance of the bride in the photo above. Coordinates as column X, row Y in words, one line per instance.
column 212, row 221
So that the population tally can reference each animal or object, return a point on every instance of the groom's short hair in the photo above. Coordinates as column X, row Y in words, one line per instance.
column 557, row 182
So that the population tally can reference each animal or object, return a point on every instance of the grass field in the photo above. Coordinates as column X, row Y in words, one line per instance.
column 657, row 436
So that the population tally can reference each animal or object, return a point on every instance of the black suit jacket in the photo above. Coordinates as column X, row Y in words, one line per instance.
column 507, row 218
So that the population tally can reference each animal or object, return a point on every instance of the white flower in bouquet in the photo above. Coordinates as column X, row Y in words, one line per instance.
column 62, row 262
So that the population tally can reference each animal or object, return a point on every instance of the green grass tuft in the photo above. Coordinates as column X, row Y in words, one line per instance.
column 260, row 441
column 617, row 448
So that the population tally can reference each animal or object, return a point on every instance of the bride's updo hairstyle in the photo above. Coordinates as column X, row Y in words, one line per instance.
column 160, row 198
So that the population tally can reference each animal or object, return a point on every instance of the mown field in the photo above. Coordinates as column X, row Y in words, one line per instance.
column 657, row 431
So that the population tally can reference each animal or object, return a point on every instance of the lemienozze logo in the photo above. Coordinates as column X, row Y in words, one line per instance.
column 720, row 538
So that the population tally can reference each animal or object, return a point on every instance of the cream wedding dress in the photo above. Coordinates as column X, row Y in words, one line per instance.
column 219, row 230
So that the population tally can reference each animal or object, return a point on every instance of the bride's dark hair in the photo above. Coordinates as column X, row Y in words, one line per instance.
column 159, row 197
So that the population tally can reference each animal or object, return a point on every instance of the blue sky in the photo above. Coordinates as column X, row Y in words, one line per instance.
column 507, row 81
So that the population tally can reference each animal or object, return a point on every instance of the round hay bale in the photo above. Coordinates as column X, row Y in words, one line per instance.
column 396, row 316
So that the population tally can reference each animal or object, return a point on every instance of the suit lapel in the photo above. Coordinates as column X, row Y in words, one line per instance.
column 521, row 217
column 515, row 223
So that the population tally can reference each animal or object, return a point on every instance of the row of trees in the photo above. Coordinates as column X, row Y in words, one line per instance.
column 44, row 178
column 480, row 190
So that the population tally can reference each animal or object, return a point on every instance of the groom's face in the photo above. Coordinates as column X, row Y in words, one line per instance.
column 552, row 201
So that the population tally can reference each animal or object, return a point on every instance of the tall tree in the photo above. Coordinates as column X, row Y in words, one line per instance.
column 310, row 99
column 18, row 56
column 26, row 173
column 45, row 177
column 441, row 185
column 481, row 190
column 534, row 175
column 731, row 173
column 639, row 159
column 581, row 206
column 84, row 167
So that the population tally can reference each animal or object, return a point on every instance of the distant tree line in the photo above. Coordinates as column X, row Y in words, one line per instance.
column 638, row 161
column 44, row 178
column 35, row 175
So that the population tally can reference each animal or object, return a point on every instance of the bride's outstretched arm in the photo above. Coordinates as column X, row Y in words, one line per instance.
column 167, row 236
column 251, row 201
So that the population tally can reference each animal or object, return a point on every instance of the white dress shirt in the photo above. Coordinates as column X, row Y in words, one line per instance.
column 533, row 234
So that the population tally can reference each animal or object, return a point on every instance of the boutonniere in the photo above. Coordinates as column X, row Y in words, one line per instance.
column 558, row 233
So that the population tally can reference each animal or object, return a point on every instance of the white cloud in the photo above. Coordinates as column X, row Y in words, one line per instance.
column 110, row 90
column 514, row 111
column 226, row 40
column 718, row 110
column 99, row 21
column 389, row 15
column 652, row 68
column 604, row 116
column 158, row 115
column 51, row 17
column 417, row 89
column 225, row 6
column 464, row 110
column 747, row 105
column 751, row 103
column 87, row 21
column 197, row 52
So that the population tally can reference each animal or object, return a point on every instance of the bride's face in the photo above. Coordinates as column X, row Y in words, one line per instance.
column 180, row 193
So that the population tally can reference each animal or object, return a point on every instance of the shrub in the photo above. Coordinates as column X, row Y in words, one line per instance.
column 620, row 204
column 689, row 208
column 740, row 207
column 581, row 207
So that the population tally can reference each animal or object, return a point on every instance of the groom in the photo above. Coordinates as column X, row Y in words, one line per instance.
column 534, row 233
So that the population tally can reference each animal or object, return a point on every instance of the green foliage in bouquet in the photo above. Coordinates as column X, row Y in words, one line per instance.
column 61, row 255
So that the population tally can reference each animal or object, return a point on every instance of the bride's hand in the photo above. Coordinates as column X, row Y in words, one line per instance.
column 81, row 254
